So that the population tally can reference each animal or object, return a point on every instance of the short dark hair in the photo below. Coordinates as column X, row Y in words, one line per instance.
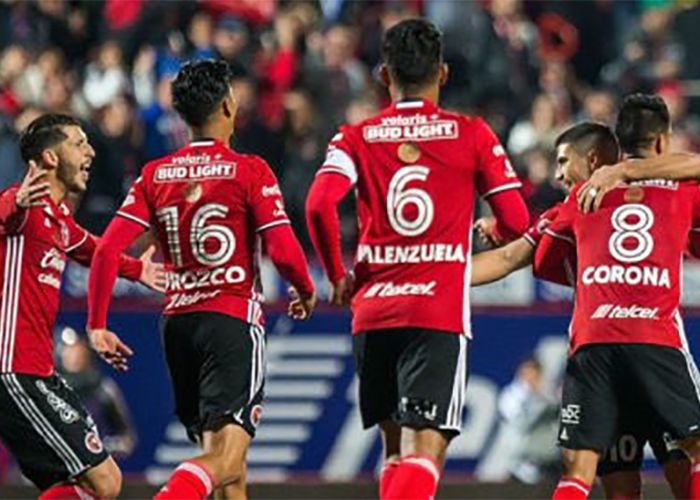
column 412, row 51
column 588, row 136
column 198, row 89
column 641, row 119
column 42, row 133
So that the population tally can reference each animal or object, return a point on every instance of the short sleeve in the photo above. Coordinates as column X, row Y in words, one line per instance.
column 494, row 172
column 340, row 157
column 265, row 198
column 135, row 206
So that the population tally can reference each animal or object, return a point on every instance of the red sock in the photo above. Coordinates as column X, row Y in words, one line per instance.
column 416, row 477
column 66, row 492
column 694, row 493
column 190, row 481
column 385, row 478
column 570, row 488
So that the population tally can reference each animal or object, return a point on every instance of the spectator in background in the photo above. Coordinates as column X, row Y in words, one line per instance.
column 599, row 106
column 686, row 128
column 539, row 129
column 200, row 34
column 100, row 395
column 50, row 63
column 13, row 63
column 539, row 187
column 230, row 43
column 105, row 77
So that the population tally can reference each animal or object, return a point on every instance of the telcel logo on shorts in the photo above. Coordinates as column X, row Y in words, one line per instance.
column 611, row 311
column 389, row 289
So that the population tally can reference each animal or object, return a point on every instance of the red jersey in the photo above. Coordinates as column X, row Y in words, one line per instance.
column 206, row 203
column 630, row 253
column 34, row 246
column 560, row 265
column 416, row 168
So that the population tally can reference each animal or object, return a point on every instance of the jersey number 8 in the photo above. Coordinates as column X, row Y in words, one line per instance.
column 631, row 222
column 200, row 232
column 398, row 198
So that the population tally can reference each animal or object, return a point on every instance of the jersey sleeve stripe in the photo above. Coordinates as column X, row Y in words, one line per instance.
column 272, row 224
column 77, row 245
column 334, row 170
column 530, row 240
column 134, row 218
column 559, row 236
column 339, row 160
column 504, row 187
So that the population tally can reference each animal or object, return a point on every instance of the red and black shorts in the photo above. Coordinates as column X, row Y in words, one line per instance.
column 217, row 368
column 47, row 429
column 414, row 376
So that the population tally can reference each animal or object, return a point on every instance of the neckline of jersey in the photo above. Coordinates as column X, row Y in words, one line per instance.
column 413, row 103
column 204, row 141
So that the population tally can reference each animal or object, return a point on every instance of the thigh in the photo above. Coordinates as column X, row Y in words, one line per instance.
column 44, row 425
column 589, row 411
column 669, row 384
column 375, row 355
column 432, row 372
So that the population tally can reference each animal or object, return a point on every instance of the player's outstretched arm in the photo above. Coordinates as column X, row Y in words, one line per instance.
column 286, row 254
column 492, row 265
column 327, row 191
column 511, row 215
column 673, row 166
column 15, row 202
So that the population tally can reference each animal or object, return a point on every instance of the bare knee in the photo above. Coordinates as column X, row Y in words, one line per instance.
column 105, row 480
column 225, row 452
column 580, row 464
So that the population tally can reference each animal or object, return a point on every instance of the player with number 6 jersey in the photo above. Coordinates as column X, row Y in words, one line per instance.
column 213, row 210
column 416, row 169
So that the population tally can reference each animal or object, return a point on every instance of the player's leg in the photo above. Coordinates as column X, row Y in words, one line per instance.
column 53, row 438
column 225, row 358
column 677, row 474
column 622, row 485
column 234, row 490
column 589, row 416
column 375, row 354
column 668, row 379
column 432, row 379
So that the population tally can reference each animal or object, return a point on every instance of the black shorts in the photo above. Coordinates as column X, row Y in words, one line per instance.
column 416, row 377
column 636, row 427
column 47, row 429
column 605, row 381
column 217, row 368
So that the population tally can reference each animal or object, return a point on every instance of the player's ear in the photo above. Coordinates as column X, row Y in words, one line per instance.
column 384, row 75
column 443, row 74
column 49, row 159
column 593, row 160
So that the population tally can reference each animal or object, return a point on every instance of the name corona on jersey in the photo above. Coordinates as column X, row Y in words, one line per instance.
column 175, row 173
column 440, row 129
column 203, row 278
column 632, row 275
column 411, row 254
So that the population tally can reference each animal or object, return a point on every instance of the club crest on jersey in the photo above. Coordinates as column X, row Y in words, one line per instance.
column 634, row 194
column 408, row 152
column 193, row 192
column 93, row 442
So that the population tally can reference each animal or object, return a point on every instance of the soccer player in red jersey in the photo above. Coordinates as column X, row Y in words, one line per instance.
column 627, row 343
column 581, row 150
column 42, row 421
column 210, row 207
column 415, row 168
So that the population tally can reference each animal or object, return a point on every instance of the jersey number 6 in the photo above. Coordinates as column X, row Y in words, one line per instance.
column 398, row 198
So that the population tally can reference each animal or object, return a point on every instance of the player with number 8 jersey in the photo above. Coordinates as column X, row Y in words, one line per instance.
column 416, row 169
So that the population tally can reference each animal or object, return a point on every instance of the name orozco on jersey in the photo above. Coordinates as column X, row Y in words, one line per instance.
column 630, row 275
column 203, row 278
column 411, row 254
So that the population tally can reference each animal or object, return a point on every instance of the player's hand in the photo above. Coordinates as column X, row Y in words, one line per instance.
column 32, row 189
column 301, row 305
column 153, row 273
column 603, row 180
column 342, row 290
column 486, row 230
column 110, row 348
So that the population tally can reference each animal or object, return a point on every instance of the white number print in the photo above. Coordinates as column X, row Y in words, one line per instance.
column 399, row 198
column 200, row 232
column 637, row 230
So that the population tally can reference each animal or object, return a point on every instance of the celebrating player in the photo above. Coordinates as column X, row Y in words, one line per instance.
column 627, row 336
column 415, row 168
column 42, row 421
column 209, row 205
column 581, row 150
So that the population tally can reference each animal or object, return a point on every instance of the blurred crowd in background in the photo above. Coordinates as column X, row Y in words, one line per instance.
column 304, row 67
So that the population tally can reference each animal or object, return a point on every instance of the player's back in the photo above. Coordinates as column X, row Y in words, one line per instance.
column 416, row 169
column 630, row 264
column 206, row 203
